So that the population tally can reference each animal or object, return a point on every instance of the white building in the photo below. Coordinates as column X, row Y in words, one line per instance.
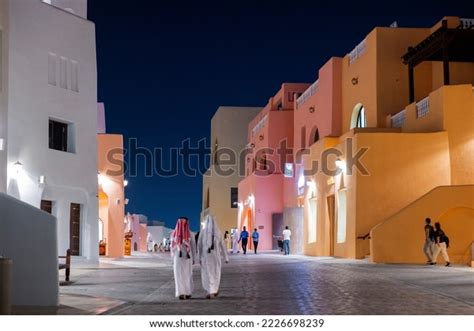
column 48, row 115
column 157, row 231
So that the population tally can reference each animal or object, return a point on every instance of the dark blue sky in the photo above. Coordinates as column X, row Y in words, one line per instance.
column 165, row 66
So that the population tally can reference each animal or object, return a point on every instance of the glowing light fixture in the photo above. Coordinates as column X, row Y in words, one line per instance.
column 125, row 183
column 42, row 179
column 99, row 178
column 17, row 167
column 341, row 164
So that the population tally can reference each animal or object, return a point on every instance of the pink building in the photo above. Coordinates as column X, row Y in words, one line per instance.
column 137, row 224
column 270, row 143
column 318, row 114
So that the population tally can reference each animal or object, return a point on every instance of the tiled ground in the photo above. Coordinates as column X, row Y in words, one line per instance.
column 272, row 284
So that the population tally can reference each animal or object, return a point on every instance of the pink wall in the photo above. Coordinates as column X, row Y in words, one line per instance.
column 143, row 236
column 136, row 232
column 268, row 187
column 327, row 104
column 268, row 194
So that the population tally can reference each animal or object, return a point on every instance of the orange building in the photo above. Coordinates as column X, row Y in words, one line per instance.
column 412, row 121
column 111, row 190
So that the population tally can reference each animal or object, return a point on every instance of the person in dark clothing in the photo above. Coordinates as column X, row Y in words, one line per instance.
column 244, row 237
column 255, row 236
column 440, row 245
column 428, row 246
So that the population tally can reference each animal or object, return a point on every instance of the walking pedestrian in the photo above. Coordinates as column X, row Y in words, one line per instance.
column 255, row 236
column 227, row 240
column 244, row 237
column 441, row 245
column 429, row 241
column 235, row 241
column 183, row 252
column 286, row 240
column 211, row 253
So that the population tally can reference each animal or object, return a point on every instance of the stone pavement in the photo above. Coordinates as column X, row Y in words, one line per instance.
column 270, row 283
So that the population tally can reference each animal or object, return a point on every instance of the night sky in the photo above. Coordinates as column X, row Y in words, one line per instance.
column 166, row 66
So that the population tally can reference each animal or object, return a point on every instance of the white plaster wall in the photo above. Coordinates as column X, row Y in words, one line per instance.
column 28, row 236
column 3, row 95
column 157, row 233
column 35, row 29
column 78, row 7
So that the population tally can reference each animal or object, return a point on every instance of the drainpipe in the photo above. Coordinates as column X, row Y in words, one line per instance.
column 5, row 285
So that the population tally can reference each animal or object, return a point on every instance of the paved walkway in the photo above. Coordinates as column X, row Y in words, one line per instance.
column 271, row 284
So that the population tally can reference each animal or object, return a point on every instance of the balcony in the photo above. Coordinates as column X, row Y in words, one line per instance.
column 307, row 94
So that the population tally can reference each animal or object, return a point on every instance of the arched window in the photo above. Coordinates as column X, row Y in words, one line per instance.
column 314, row 135
column 359, row 119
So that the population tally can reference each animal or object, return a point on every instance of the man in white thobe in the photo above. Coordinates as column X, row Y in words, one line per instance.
column 183, row 252
column 235, row 241
column 211, row 250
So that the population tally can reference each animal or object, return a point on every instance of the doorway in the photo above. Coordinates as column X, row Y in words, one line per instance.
column 75, row 228
column 331, row 202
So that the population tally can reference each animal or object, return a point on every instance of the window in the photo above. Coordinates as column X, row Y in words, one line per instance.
column 234, row 197
column 61, row 136
column 74, row 76
column 313, row 221
column 52, row 60
column 216, row 148
column 63, row 73
column 303, row 137
column 341, row 217
column 314, row 135
column 359, row 118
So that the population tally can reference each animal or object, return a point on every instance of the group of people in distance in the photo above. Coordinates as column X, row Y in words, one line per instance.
column 436, row 241
column 209, row 251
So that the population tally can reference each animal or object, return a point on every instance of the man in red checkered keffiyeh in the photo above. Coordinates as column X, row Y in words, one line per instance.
column 180, row 237
column 183, row 251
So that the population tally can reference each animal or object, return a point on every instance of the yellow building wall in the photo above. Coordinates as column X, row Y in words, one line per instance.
column 392, row 74
column 458, row 120
column 451, row 108
column 400, row 238
column 319, row 191
column 402, row 167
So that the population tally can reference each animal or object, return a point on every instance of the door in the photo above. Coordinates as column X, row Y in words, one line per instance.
column 331, row 201
column 277, row 229
column 75, row 228
column 47, row 206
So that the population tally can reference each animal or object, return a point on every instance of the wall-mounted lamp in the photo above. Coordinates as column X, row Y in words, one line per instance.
column 42, row 179
column 126, row 201
column 355, row 80
column 125, row 183
column 17, row 167
column 99, row 178
column 340, row 164
column 311, row 110
column 260, row 137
